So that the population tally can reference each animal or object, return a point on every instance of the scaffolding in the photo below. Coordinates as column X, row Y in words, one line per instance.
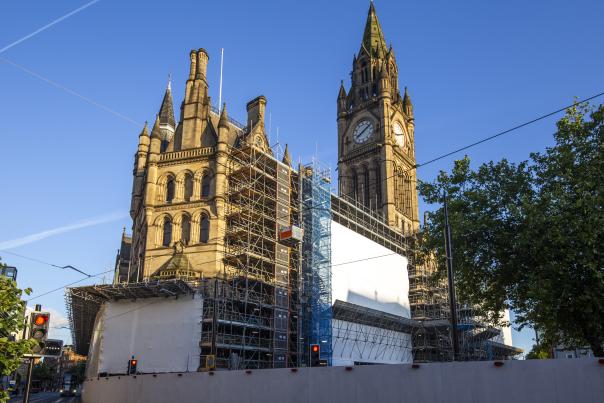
column 430, row 308
column 250, row 315
column 316, row 266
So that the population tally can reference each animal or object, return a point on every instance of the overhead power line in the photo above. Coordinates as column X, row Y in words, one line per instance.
column 484, row 140
column 67, row 285
column 46, row 263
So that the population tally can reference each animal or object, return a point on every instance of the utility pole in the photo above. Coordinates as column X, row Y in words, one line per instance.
column 451, row 279
column 30, row 368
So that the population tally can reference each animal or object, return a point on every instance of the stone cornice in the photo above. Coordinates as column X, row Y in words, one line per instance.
column 186, row 155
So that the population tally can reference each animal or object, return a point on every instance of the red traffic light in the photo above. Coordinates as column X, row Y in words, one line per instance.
column 132, row 362
column 40, row 320
column 315, row 348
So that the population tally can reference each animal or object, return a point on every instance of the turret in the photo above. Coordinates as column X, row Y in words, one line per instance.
column 384, row 82
column 255, row 111
column 223, row 125
column 155, row 138
column 143, row 149
column 342, row 98
column 287, row 159
column 140, row 161
column 196, row 104
column 407, row 105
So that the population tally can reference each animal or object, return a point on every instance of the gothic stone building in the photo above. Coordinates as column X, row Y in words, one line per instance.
column 180, row 170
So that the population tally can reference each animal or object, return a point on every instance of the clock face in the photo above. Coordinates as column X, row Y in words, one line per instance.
column 399, row 134
column 363, row 131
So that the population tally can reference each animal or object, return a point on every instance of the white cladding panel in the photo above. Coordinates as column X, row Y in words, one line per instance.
column 163, row 334
column 368, row 274
column 353, row 342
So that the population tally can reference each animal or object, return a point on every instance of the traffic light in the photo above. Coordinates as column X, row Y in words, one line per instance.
column 315, row 355
column 38, row 330
column 132, row 366
column 53, row 347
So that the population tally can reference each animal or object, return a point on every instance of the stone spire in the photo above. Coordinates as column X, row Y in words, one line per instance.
column 145, row 131
column 156, row 131
column 287, row 159
column 407, row 105
column 342, row 92
column 373, row 37
column 224, row 119
column 166, row 111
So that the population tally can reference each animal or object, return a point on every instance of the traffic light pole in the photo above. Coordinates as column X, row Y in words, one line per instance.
column 30, row 368
column 451, row 279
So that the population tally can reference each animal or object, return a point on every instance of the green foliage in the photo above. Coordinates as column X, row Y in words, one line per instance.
column 42, row 372
column 78, row 372
column 11, row 322
column 538, row 352
column 529, row 236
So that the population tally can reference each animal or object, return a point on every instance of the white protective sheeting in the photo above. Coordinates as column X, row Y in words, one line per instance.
column 367, row 274
column 356, row 343
column 163, row 334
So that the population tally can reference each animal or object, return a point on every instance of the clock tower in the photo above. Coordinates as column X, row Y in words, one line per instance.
column 376, row 147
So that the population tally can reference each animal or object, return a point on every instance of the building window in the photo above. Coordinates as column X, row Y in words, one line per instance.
column 205, row 185
column 204, row 229
column 185, row 229
column 170, row 190
column 188, row 187
column 167, row 239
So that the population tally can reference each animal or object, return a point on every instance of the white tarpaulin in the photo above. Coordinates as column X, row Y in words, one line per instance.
column 368, row 274
column 163, row 334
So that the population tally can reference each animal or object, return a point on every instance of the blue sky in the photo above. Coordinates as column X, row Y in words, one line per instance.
column 473, row 68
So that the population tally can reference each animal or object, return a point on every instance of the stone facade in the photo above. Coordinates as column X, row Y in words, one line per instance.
column 179, row 183
column 376, row 134
column 180, row 168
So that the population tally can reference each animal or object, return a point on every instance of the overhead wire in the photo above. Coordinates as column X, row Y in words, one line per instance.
column 46, row 263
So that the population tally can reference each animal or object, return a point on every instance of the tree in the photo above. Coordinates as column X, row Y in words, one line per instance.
column 42, row 372
column 11, row 322
column 529, row 236
column 78, row 372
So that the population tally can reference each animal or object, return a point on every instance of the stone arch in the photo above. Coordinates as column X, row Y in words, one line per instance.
column 164, row 229
column 207, row 179
column 163, row 186
column 180, row 184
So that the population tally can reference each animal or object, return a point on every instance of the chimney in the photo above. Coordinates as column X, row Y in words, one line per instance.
column 255, row 111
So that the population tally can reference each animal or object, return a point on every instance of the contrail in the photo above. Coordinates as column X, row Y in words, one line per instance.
column 13, row 243
column 72, row 92
column 45, row 27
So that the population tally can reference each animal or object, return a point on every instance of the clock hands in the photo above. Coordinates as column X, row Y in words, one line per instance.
column 358, row 136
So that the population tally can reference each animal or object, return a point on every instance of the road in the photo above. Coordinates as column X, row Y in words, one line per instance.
column 46, row 397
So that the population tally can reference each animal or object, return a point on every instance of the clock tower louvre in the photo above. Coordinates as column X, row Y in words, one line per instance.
column 376, row 155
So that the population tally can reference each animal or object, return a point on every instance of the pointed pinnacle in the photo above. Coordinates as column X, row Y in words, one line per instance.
column 156, row 132
column 224, row 120
column 145, row 131
column 287, row 159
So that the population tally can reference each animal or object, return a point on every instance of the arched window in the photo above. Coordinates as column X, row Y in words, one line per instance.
column 188, row 187
column 205, row 185
column 204, row 229
column 170, row 187
column 185, row 233
column 167, row 239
